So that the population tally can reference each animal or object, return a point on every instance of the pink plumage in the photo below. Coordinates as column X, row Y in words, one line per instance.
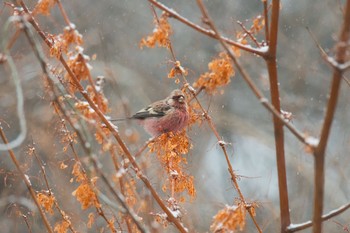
column 168, row 115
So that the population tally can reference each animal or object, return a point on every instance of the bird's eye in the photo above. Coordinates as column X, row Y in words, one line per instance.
column 179, row 98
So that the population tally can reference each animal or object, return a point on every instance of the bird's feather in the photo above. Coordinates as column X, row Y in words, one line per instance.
column 157, row 110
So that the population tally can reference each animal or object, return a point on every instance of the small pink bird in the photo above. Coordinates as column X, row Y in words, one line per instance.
column 167, row 115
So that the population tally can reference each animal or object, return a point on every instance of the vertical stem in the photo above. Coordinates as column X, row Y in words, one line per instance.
column 278, row 125
column 318, row 192
column 266, row 17
column 340, row 57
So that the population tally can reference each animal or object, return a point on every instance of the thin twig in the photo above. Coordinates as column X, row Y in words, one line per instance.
column 207, row 32
column 120, row 176
column 266, row 17
column 248, row 33
column 63, row 13
column 144, row 147
column 43, row 171
column 26, row 221
column 331, row 214
column 19, row 95
column 329, row 60
column 26, row 180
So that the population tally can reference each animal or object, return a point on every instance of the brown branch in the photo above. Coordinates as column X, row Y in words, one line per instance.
column 92, row 83
column 266, row 17
column 144, row 147
column 26, row 221
column 26, row 180
column 43, row 171
column 271, row 63
column 109, row 125
column 319, row 153
column 63, row 13
column 331, row 214
column 329, row 60
column 120, row 178
column 248, row 33
column 207, row 32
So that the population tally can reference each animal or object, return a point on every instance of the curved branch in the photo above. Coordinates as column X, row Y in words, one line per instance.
column 20, row 101
column 331, row 214
column 211, row 33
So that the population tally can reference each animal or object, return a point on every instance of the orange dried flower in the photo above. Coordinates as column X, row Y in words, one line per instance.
column 91, row 220
column 44, row 7
column 77, row 172
column 229, row 219
column 67, row 138
column 174, row 207
column 160, row 35
column 78, row 64
column 102, row 137
column 63, row 166
column 130, row 195
column 220, row 73
column 99, row 99
column 258, row 24
column 84, row 193
column 182, row 182
column 61, row 42
column 169, row 147
column 111, row 224
column 61, row 227
column 46, row 201
column 86, row 196
column 195, row 114
column 177, row 69
column 85, row 109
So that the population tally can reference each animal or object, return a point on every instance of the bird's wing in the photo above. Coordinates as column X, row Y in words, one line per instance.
column 157, row 109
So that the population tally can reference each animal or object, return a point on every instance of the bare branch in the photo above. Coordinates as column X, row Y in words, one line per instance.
column 331, row 214
column 26, row 180
column 174, row 14
column 19, row 94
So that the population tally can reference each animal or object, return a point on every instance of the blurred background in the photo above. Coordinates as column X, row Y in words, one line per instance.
column 136, row 77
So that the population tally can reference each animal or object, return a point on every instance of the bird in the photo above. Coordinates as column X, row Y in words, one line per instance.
column 163, row 116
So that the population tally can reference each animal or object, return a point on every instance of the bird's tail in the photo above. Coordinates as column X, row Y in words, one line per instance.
column 121, row 119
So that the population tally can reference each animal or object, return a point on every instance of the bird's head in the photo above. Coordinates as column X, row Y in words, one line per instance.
column 177, row 98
